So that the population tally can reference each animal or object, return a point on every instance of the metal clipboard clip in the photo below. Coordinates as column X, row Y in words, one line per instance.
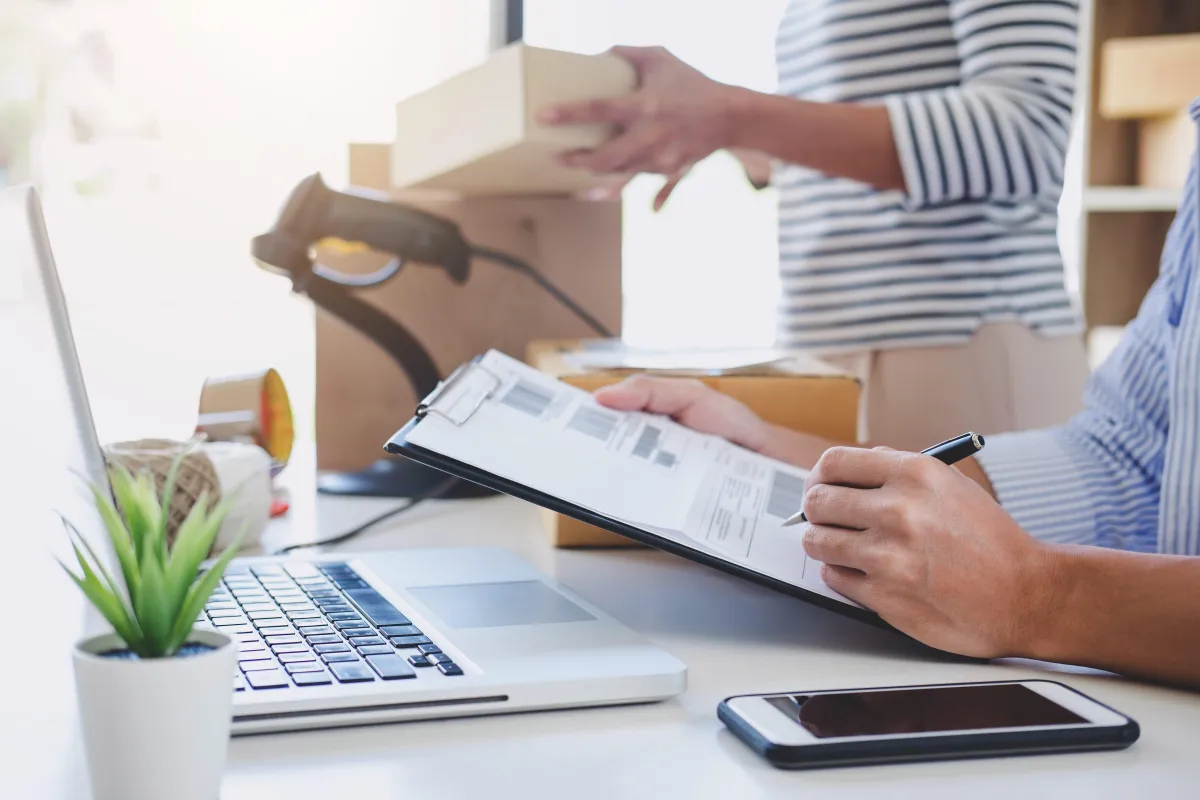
column 462, row 394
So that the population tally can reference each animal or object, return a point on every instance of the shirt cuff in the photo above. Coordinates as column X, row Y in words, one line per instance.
column 911, row 164
column 1039, row 484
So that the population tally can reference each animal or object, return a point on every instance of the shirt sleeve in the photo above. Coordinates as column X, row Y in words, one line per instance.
column 1002, row 133
column 1098, row 479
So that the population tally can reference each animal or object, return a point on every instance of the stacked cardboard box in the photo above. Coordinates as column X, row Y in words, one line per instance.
column 1153, row 79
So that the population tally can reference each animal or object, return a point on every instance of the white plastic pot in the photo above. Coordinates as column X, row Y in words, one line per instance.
column 156, row 728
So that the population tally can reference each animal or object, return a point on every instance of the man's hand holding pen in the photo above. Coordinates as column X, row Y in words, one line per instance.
column 904, row 534
column 927, row 549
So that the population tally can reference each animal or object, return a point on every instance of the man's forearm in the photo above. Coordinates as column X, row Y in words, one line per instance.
column 1133, row 613
column 850, row 141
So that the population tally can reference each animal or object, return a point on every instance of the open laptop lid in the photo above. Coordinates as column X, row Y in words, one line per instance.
column 49, row 440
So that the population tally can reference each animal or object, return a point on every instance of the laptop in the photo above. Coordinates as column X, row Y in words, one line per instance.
column 333, row 640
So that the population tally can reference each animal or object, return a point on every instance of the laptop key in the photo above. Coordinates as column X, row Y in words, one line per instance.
column 227, row 611
column 271, row 679
column 439, row 658
column 234, row 630
column 376, row 607
column 257, row 666
column 289, row 648
column 390, row 668
column 358, row 641
column 332, row 658
column 297, row 616
column 304, row 666
column 338, row 608
column 420, row 661
column 345, row 616
column 295, row 658
column 325, row 638
column 286, row 607
column 375, row 650
column 311, row 678
column 410, row 641
column 315, row 630
column 400, row 630
column 351, row 673
column 275, row 630
column 331, row 648
column 248, row 607
column 429, row 648
column 257, row 655
column 450, row 668
column 282, row 640
column 345, row 624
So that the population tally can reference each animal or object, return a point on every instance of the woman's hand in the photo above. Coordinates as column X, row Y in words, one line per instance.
column 692, row 404
column 676, row 117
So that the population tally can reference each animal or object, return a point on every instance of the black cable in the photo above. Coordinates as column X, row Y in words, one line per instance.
column 505, row 260
column 432, row 494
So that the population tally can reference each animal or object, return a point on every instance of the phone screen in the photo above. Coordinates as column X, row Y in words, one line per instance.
column 929, row 710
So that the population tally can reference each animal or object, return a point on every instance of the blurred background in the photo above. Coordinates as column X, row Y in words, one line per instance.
column 164, row 135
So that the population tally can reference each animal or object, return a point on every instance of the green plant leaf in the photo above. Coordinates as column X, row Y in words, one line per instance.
column 193, row 542
column 118, row 591
column 121, row 539
column 155, row 540
column 152, row 609
column 124, row 489
column 199, row 593
column 108, row 604
column 168, row 492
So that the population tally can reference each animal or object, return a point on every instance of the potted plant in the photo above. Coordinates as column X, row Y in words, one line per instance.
column 155, row 695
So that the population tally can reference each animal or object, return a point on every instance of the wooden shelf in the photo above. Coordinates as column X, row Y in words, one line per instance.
column 1130, row 198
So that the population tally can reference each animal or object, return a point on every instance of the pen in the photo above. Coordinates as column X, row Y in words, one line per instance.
column 948, row 452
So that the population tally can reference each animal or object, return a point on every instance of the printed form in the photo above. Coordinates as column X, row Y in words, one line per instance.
column 509, row 419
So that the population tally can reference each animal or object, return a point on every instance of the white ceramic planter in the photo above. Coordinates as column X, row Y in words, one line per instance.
column 157, row 728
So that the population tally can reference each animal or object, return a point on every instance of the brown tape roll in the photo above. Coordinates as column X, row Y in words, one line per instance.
column 248, row 408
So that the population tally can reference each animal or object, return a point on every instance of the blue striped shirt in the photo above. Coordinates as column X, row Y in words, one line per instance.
column 979, row 94
column 1125, row 472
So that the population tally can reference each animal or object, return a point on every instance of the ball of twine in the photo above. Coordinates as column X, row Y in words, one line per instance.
column 155, row 457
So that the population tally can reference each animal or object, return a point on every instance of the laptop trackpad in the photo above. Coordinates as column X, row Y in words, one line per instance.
column 491, row 605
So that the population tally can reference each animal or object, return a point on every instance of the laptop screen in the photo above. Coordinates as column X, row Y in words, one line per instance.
column 48, row 443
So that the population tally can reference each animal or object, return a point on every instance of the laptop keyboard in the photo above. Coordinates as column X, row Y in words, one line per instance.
column 316, row 624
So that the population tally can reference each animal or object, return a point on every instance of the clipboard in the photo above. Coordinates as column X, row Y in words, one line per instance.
column 399, row 445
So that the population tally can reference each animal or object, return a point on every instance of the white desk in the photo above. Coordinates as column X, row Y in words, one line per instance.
column 734, row 637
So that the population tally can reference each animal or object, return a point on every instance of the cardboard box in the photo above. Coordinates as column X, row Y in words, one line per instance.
column 362, row 397
column 478, row 133
column 1149, row 76
column 805, row 395
column 1165, row 149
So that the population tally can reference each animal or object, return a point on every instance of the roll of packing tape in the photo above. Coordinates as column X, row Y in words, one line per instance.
column 248, row 408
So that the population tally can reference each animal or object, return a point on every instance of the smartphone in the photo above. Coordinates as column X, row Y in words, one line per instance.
column 803, row 730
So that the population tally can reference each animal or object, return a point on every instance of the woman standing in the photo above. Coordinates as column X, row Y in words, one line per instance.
column 918, row 150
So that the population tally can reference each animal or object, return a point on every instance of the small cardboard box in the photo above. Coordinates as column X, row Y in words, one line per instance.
column 804, row 394
column 1149, row 76
column 477, row 133
column 1165, row 149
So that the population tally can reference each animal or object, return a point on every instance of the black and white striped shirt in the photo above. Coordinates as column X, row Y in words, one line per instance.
column 979, row 93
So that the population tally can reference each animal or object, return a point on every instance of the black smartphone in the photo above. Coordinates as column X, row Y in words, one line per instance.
column 829, row 728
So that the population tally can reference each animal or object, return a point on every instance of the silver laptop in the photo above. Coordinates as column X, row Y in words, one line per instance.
column 335, row 640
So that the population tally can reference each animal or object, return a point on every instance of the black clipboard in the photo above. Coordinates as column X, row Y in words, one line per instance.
column 399, row 445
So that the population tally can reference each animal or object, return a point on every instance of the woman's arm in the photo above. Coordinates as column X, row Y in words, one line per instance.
column 1000, row 133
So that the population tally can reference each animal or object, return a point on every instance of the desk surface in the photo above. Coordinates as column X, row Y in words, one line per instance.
column 734, row 637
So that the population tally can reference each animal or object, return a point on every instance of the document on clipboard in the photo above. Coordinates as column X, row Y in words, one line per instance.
column 498, row 418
